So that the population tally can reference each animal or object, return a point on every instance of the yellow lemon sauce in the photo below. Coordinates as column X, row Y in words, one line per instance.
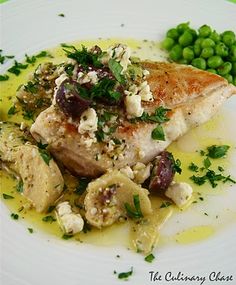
column 186, row 149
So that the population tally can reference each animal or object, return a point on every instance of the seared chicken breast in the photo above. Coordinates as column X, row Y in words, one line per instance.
column 192, row 95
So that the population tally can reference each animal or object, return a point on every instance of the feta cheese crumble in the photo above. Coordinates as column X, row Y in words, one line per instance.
column 88, row 121
column 180, row 193
column 70, row 222
column 133, row 105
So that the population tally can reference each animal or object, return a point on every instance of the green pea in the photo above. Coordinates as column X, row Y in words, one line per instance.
column 233, row 70
column 173, row 33
column 185, row 39
column 168, row 43
column 183, row 27
column 197, row 49
column 214, row 61
column 199, row 41
column 207, row 52
column 204, row 31
column 221, row 49
column 188, row 53
column 228, row 77
column 232, row 53
column 234, row 80
column 215, row 37
column 211, row 70
column 207, row 43
column 194, row 33
column 224, row 68
column 199, row 63
column 176, row 52
column 228, row 38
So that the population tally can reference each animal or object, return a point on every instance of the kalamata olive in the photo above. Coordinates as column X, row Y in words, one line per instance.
column 163, row 172
column 69, row 99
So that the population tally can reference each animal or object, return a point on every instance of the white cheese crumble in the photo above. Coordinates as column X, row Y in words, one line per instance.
column 127, row 171
column 90, row 77
column 88, row 121
column 180, row 193
column 60, row 79
column 121, row 53
column 145, row 92
column 70, row 222
column 133, row 105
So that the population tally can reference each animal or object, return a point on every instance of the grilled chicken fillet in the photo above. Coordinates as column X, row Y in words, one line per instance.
column 193, row 96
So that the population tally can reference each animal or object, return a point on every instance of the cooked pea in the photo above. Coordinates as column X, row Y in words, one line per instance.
column 188, row 53
column 224, row 68
column 176, row 52
column 199, row 63
column 168, row 43
column 185, row 39
column 212, row 70
column 197, row 49
column 215, row 37
column 199, row 41
column 173, row 33
column 207, row 52
column 194, row 33
column 233, row 70
column 234, row 80
column 204, row 31
column 207, row 43
column 221, row 49
column 228, row 77
column 228, row 37
column 214, row 61
column 183, row 27
column 232, row 53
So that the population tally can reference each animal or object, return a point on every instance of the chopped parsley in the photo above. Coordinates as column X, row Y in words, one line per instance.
column 217, row 151
column 30, row 230
column 116, row 70
column 49, row 219
column 28, row 115
column 134, row 213
column 149, row 258
column 12, row 111
column 45, row 155
column 83, row 56
column 4, row 57
column 158, row 133
column 165, row 204
column 61, row 15
column 4, row 77
column 158, row 117
column 193, row 167
column 6, row 196
column 66, row 236
column 207, row 163
column 14, row 216
column 31, row 87
column 20, row 187
column 17, row 67
column 177, row 165
column 83, row 183
column 125, row 275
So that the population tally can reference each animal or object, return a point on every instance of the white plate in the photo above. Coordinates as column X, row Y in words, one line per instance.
column 29, row 26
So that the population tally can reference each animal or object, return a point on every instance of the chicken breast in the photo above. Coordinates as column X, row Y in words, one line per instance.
column 193, row 96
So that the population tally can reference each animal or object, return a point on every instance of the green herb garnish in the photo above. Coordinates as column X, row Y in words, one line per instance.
column 4, row 77
column 31, row 87
column 158, row 133
column 12, row 111
column 83, row 183
column 116, row 70
column 165, row 204
column 61, row 15
column 28, row 115
column 217, row 151
column 207, row 163
column 20, row 187
column 66, row 236
column 193, row 167
column 48, row 219
column 45, row 155
column 14, row 216
column 134, row 213
column 6, row 196
column 30, row 230
column 149, row 258
column 125, row 275
column 17, row 67
column 158, row 117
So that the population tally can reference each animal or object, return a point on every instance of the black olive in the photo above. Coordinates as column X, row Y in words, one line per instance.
column 69, row 100
column 163, row 172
